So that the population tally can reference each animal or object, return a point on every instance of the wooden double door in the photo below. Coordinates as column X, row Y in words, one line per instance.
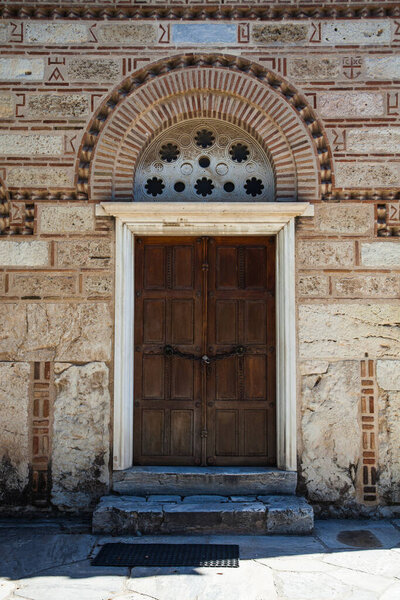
column 205, row 351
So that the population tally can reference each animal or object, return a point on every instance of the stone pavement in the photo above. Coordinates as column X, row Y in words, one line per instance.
column 343, row 560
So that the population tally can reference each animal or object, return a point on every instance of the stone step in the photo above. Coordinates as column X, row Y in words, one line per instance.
column 204, row 514
column 225, row 481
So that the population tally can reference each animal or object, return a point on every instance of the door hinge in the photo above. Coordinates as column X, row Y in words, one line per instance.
column 204, row 433
column 204, row 267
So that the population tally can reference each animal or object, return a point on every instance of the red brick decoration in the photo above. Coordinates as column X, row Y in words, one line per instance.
column 369, row 432
column 41, row 423
column 213, row 86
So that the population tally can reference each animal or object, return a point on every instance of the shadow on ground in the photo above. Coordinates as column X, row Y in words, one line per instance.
column 346, row 560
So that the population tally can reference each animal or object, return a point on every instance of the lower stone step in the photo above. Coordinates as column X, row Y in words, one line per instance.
column 161, row 514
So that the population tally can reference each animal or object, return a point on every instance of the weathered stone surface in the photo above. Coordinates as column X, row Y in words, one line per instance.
column 21, row 69
column 80, row 434
column 342, row 219
column 224, row 481
column 288, row 514
column 360, row 32
column 313, row 285
column 382, row 67
column 366, row 286
column 84, row 253
column 71, row 218
column 280, row 33
column 42, row 285
column 18, row 144
column 388, row 446
column 127, row 33
column 214, row 517
column 314, row 68
column 14, row 431
column 331, row 430
column 331, row 254
column 93, row 69
column 24, row 254
column 7, row 105
column 204, row 498
column 2, row 283
column 374, row 139
column 388, row 374
column 76, row 332
column 97, row 285
column 380, row 254
column 351, row 104
column 160, row 498
column 367, row 174
column 4, row 32
column 40, row 177
column 118, row 515
column 57, row 105
column 349, row 330
column 56, row 33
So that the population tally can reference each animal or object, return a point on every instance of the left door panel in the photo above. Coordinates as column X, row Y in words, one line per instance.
column 168, row 311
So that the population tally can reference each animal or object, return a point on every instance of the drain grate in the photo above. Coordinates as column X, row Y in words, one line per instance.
column 167, row 555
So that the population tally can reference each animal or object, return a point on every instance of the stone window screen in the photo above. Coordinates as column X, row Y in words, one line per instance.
column 202, row 160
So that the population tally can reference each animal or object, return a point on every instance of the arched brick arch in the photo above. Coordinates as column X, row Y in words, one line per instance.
column 204, row 86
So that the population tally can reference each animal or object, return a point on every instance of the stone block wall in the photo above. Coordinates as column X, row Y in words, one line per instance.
column 62, row 72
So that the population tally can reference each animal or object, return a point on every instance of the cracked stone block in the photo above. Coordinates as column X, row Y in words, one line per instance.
column 214, row 517
column 120, row 515
column 64, row 331
column 331, row 430
column 288, row 515
column 81, row 423
column 344, row 330
column 14, row 431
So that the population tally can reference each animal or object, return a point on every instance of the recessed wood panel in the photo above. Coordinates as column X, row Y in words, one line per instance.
column 182, row 432
column 182, row 323
column 227, row 434
column 255, row 268
column 255, row 375
column 154, row 267
column 183, row 267
column 255, row 322
column 255, row 427
column 152, row 432
column 153, row 377
column 153, row 321
column 226, row 379
column 226, row 275
column 226, row 315
column 182, row 379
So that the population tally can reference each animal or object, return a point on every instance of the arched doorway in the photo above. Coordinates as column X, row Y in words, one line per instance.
column 204, row 391
column 145, row 107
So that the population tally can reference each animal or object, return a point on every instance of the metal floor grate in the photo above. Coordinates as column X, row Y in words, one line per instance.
column 167, row 555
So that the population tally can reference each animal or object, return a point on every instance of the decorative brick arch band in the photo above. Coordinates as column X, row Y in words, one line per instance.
column 211, row 86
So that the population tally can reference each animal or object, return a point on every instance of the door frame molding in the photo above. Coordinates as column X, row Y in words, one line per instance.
column 178, row 219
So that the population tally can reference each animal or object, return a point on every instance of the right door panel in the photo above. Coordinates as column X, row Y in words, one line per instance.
column 241, row 389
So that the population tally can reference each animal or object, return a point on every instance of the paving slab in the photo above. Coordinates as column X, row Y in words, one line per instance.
column 75, row 580
column 315, row 586
column 25, row 553
column 250, row 582
column 6, row 587
column 351, row 533
column 375, row 562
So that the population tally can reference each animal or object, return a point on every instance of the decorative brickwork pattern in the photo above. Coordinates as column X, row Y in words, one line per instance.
column 388, row 219
column 369, row 431
column 195, row 9
column 205, row 86
column 41, row 427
